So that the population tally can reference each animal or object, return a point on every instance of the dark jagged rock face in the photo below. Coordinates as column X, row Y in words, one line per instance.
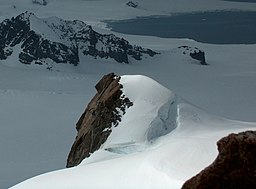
column 199, row 56
column 132, row 4
column 102, row 113
column 234, row 168
column 194, row 53
column 33, row 47
column 61, row 41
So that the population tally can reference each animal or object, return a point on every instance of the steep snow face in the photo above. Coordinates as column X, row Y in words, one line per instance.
column 160, row 143
column 56, row 29
column 152, row 115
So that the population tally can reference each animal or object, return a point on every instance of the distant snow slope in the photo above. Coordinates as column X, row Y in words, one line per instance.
column 160, row 142
column 36, row 127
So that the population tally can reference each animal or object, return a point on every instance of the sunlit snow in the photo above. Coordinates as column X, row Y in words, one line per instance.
column 194, row 106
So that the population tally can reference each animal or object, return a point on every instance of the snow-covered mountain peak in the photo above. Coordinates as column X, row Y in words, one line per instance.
column 153, row 114
column 159, row 134
column 45, row 41
column 54, row 22
column 126, row 111
column 141, row 86
column 58, row 30
column 25, row 16
column 40, row 108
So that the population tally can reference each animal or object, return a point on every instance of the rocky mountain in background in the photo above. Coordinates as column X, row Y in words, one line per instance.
column 102, row 113
column 233, row 168
column 42, row 40
column 194, row 53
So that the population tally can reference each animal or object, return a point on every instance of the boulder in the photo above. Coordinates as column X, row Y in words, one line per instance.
column 234, row 167
column 104, row 112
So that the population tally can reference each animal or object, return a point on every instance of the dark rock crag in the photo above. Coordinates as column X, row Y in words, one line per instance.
column 234, row 167
column 61, row 41
column 132, row 4
column 194, row 53
column 102, row 113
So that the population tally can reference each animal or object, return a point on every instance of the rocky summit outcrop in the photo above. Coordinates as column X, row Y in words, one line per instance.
column 194, row 53
column 234, row 168
column 54, row 40
column 104, row 112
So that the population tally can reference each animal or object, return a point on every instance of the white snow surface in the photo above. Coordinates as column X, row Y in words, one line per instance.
column 56, row 29
column 142, row 152
column 162, row 140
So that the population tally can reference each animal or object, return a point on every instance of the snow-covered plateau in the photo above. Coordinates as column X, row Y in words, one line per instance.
column 181, row 108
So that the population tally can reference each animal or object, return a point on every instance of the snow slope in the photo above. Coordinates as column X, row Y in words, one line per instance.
column 229, row 78
column 160, row 143
column 39, row 108
column 35, row 139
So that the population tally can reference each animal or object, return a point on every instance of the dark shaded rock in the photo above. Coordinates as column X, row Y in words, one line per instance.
column 199, row 56
column 34, row 47
column 61, row 41
column 117, row 48
column 234, row 168
column 194, row 53
column 132, row 4
column 102, row 113
column 40, row 2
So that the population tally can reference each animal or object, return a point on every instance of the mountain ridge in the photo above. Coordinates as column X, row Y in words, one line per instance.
column 46, row 40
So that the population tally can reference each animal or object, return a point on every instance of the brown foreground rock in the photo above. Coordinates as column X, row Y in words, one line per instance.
column 94, row 126
column 234, row 167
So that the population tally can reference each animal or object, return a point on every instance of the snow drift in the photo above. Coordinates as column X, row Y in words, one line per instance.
column 160, row 142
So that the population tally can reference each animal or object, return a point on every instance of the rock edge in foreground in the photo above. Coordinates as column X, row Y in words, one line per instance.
column 234, row 167
column 102, row 113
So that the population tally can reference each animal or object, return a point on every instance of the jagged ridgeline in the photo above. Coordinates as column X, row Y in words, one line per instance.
column 38, row 40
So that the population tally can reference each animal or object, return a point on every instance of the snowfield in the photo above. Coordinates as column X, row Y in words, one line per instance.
column 161, row 142
column 180, row 108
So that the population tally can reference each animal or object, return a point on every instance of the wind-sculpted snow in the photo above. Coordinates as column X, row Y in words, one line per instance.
column 151, row 102
column 165, row 122
column 157, row 144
